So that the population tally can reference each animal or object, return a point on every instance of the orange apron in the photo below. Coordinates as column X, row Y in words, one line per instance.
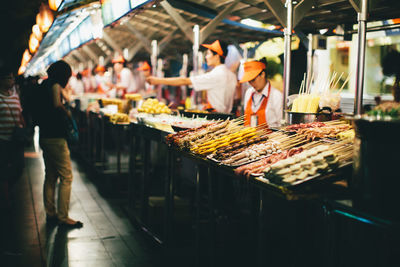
column 209, row 108
column 100, row 89
column 259, row 115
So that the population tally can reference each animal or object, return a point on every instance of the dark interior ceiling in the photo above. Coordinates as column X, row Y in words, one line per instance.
column 16, row 19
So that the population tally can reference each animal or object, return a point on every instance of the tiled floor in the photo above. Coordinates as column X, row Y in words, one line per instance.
column 107, row 239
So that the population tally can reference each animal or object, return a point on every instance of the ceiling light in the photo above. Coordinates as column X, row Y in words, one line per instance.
column 323, row 31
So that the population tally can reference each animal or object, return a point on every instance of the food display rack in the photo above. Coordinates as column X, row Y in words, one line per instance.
column 324, row 195
column 209, row 176
column 104, row 148
column 212, row 171
column 144, row 138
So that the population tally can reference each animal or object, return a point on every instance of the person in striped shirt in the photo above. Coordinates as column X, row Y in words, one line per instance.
column 10, row 108
column 11, row 153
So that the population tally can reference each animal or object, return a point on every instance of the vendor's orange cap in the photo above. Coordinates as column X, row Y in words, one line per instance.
column 100, row 68
column 118, row 59
column 145, row 66
column 251, row 70
column 216, row 47
column 85, row 72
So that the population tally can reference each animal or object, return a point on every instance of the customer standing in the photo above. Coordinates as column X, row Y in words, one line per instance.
column 11, row 155
column 11, row 151
column 51, row 120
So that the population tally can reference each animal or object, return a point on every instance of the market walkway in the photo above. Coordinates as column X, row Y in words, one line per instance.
column 107, row 239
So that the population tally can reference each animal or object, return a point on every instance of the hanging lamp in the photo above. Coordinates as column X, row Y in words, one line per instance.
column 45, row 18
column 54, row 4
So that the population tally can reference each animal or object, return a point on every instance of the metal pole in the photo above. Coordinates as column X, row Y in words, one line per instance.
column 309, row 60
column 196, row 45
column 154, row 55
column 287, row 54
column 184, row 73
column 153, row 59
column 159, row 74
column 362, row 26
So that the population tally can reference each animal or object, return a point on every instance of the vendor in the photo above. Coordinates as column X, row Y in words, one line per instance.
column 145, row 68
column 102, row 81
column 262, row 102
column 219, row 83
column 124, row 81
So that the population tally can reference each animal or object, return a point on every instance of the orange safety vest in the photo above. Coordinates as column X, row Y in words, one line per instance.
column 260, row 113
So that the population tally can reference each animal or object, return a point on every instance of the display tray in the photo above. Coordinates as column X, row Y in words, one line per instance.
column 178, row 128
column 277, row 129
column 329, row 176
column 209, row 115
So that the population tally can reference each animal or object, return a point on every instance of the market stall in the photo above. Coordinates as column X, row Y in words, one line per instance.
column 284, row 171
column 104, row 149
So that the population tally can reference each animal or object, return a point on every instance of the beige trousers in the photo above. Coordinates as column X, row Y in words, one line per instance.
column 57, row 162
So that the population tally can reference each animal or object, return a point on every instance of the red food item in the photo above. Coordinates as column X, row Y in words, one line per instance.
column 259, row 166
column 296, row 127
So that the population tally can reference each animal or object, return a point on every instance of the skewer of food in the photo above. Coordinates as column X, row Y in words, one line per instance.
column 261, row 147
column 227, row 151
column 309, row 163
column 252, row 152
column 349, row 134
column 211, row 144
column 259, row 166
column 189, row 139
column 295, row 127
column 324, row 132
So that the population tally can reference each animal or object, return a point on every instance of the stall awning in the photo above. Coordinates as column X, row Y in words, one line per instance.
column 170, row 22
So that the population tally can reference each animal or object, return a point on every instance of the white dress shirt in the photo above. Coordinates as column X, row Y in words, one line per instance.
column 220, row 84
column 127, row 80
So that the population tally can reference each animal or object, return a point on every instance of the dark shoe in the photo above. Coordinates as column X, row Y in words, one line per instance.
column 76, row 224
column 51, row 219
